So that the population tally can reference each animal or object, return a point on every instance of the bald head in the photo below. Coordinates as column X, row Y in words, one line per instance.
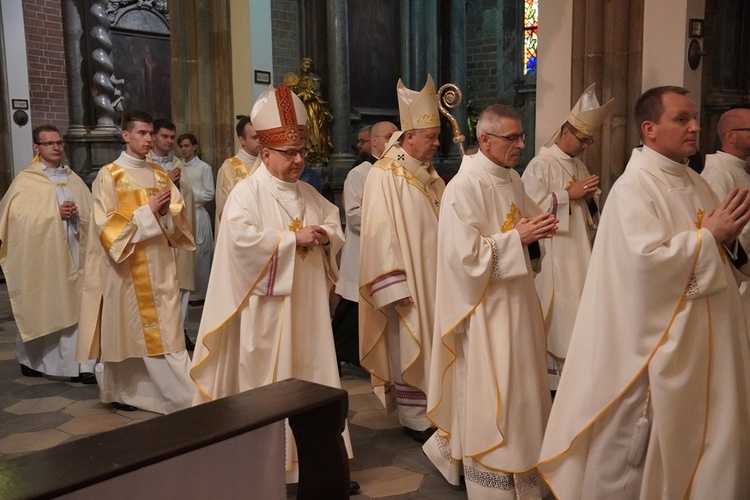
column 380, row 133
column 734, row 131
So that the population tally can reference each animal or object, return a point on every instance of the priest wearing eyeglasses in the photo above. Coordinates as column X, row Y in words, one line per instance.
column 266, row 316
column 43, row 230
column 561, row 184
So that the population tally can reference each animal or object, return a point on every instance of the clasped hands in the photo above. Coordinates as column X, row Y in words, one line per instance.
column 537, row 228
column 727, row 220
column 310, row 236
column 584, row 188
column 159, row 202
column 68, row 210
column 174, row 175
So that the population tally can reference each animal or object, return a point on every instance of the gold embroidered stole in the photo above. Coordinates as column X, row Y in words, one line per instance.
column 240, row 172
column 129, row 200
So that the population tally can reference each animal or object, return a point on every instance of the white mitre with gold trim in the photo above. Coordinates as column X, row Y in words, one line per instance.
column 418, row 110
column 587, row 115
column 279, row 117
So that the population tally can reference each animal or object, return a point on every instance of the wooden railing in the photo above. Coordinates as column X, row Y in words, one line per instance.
column 202, row 449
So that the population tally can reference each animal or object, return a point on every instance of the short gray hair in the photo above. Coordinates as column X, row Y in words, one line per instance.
column 491, row 116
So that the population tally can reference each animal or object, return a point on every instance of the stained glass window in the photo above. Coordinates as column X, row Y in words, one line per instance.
column 530, row 35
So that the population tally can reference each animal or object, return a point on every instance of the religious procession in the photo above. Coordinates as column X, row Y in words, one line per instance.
column 523, row 325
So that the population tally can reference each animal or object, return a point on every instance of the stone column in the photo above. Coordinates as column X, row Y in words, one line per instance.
column 105, row 139
column 457, row 70
column 79, row 90
column 73, row 12
column 338, row 69
column 102, row 62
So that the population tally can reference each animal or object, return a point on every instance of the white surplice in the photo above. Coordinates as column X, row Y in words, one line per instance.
column 567, row 253
column 198, row 174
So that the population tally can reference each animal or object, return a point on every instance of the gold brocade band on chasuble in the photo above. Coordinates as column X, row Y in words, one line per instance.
column 129, row 200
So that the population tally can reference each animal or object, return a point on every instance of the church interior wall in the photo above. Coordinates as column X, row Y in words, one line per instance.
column 482, row 54
column 14, row 71
column 45, row 56
column 553, row 81
column 285, row 36
column 665, row 57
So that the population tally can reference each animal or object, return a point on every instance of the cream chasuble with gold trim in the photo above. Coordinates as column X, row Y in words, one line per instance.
column 724, row 172
column 488, row 394
column 135, row 276
column 40, row 269
column 232, row 171
column 567, row 253
column 266, row 317
column 654, row 401
column 400, row 207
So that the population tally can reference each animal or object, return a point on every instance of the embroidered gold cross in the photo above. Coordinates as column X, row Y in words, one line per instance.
column 511, row 218
column 699, row 218
column 295, row 226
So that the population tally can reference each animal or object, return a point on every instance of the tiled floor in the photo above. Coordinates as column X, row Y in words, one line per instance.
column 37, row 413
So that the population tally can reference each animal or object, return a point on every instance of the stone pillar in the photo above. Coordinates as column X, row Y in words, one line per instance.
column 105, row 139
column 79, row 89
column 101, row 56
column 457, row 70
column 419, row 35
column 202, row 91
column 75, row 47
column 338, row 68
column 608, row 52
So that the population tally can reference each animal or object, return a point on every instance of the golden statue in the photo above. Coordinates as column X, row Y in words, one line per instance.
column 307, row 86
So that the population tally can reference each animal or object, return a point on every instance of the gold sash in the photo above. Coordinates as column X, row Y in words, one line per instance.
column 129, row 200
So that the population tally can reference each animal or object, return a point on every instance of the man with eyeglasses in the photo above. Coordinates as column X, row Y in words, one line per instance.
column 725, row 170
column 346, row 316
column 130, row 310
column 44, row 219
column 488, row 391
column 559, row 182
column 266, row 316
column 654, row 401
column 398, row 242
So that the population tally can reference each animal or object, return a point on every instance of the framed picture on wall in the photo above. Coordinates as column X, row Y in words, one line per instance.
column 141, row 73
column 263, row 77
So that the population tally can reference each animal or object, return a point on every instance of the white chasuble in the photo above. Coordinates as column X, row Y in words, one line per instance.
column 266, row 316
column 488, row 393
column 654, row 401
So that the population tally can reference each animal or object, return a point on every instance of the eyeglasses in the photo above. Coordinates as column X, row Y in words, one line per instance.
column 49, row 144
column 291, row 154
column 510, row 138
column 362, row 141
column 584, row 142
column 745, row 129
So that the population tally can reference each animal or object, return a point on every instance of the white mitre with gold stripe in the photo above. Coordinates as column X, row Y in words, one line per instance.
column 586, row 116
column 418, row 109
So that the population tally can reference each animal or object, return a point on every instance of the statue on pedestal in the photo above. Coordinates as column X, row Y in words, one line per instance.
column 307, row 86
